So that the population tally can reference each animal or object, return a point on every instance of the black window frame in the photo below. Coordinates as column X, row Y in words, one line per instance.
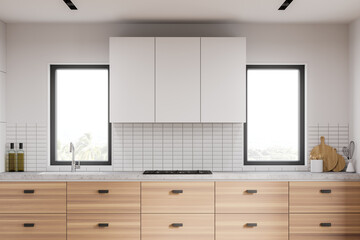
column 301, row 161
column 53, row 69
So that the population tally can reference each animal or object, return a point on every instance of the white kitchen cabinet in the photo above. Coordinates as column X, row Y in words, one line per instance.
column 223, row 79
column 2, row 146
column 177, row 79
column 2, row 97
column 2, row 47
column 132, row 79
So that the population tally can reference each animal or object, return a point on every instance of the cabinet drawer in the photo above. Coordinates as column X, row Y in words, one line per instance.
column 177, row 197
column 316, row 226
column 325, row 197
column 252, row 226
column 33, row 226
column 177, row 226
column 103, row 197
column 103, row 226
column 29, row 197
column 251, row 197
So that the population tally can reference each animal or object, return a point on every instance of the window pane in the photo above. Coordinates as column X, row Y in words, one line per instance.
column 82, row 114
column 273, row 125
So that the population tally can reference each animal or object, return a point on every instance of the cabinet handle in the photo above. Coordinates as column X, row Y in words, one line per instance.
column 177, row 191
column 325, row 190
column 103, row 225
column 251, row 224
column 325, row 224
column 29, row 191
column 251, row 191
column 103, row 191
column 29, row 224
column 177, row 225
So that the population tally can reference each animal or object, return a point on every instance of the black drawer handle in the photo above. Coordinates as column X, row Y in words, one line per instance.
column 177, row 225
column 251, row 224
column 103, row 225
column 325, row 190
column 29, row 191
column 251, row 191
column 103, row 191
column 325, row 224
column 177, row 191
column 29, row 224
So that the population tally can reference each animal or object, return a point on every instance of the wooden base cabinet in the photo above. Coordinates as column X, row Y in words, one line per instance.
column 251, row 226
column 31, row 197
column 325, row 226
column 103, row 197
column 252, row 197
column 177, row 197
column 33, row 226
column 324, row 210
column 324, row 197
column 180, row 210
column 177, row 226
column 103, row 226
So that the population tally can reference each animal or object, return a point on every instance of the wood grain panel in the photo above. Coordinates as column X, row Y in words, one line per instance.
column 122, row 197
column 305, row 197
column 120, row 226
column 47, row 197
column 46, row 227
column 195, row 226
column 232, row 197
column 307, row 226
column 269, row 226
column 197, row 197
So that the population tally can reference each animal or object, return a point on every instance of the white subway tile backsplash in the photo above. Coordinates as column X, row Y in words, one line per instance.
column 336, row 136
column 146, row 146
column 34, row 137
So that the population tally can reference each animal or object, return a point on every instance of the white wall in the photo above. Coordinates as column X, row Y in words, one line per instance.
column 31, row 47
column 2, row 47
column 2, row 94
column 354, row 86
column 2, row 72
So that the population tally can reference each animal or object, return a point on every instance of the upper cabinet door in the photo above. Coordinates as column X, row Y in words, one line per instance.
column 132, row 79
column 223, row 79
column 178, row 79
column 2, row 47
column 2, row 97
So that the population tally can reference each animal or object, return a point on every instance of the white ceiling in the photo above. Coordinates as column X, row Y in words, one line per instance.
column 182, row 11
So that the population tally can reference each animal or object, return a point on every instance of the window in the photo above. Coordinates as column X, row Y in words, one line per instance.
column 274, row 131
column 79, row 97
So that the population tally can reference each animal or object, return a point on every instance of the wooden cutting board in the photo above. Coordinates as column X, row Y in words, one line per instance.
column 340, row 165
column 327, row 153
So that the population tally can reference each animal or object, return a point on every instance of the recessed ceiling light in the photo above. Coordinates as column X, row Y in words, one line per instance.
column 285, row 4
column 70, row 4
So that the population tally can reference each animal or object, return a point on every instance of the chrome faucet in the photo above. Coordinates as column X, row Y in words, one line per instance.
column 73, row 162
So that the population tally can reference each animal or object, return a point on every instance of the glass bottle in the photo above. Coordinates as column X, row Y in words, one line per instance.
column 20, row 157
column 12, row 158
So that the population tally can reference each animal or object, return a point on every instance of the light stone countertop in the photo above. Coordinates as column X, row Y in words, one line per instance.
column 216, row 176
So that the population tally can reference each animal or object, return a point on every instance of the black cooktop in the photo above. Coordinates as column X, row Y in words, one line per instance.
column 177, row 172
